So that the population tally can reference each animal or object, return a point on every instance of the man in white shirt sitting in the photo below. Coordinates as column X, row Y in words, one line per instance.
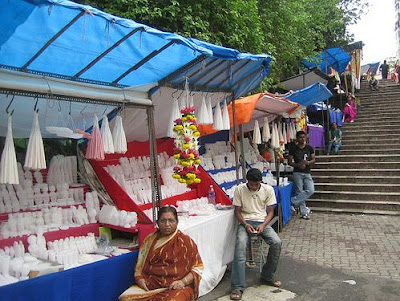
column 254, row 203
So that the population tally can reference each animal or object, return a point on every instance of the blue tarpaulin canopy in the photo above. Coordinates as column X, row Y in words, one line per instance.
column 80, row 44
column 312, row 94
column 336, row 58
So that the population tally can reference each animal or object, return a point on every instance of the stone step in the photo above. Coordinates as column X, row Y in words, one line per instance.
column 356, row 179
column 358, row 187
column 373, row 141
column 358, row 158
column 393, row 197
column 368, row 128
column 357, row 146
column 374, row 119
column 372, row 111
column 358, row 123
column 392, row 114
column 316, row 208
column 372, row 134
column 355, row 172
column 358, row 164
column 357, row 151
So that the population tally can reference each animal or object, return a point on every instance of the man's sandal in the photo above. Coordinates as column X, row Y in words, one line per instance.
column 274, row 283
column 236, row 295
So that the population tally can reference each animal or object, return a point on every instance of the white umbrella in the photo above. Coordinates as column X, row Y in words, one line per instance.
column 266, row 135
column 8, row 163
column 175, row 114
column 256, row 133
column 119, row 137
column 218, row 125
column 95, row 148
column 108, row 143
column 35, row 158
column 225, row 117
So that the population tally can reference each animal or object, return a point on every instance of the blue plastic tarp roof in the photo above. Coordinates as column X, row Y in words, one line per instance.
column 336, row 58
column 312, row 94
column 78, row 42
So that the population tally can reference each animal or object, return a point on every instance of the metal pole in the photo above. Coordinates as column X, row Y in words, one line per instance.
column 235, row 140
column 155, row 175
column 242, row 157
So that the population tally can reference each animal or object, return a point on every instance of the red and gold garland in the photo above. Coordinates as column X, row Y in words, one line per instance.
column 186, row 148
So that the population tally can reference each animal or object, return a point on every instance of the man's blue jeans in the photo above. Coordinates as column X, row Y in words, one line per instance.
column 238, row 275
column 304, row 188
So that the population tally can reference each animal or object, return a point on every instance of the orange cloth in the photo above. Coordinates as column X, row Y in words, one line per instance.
column 162, row 260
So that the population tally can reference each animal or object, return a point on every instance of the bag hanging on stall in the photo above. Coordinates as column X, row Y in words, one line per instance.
column 95, row 149
column 8, row 163
column 35, row 158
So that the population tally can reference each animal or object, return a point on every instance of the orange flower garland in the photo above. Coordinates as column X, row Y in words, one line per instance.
column 186, row 148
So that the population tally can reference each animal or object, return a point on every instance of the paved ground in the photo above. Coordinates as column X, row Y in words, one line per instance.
column 319, row 254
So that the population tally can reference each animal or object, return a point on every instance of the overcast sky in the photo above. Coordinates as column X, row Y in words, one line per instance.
column 376, row 30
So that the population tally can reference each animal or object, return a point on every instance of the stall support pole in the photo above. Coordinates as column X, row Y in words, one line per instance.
column 235, row 140
column 155, row 175
column 242, row 157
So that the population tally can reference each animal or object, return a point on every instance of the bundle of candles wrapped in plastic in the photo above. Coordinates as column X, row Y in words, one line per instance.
column 133, row 175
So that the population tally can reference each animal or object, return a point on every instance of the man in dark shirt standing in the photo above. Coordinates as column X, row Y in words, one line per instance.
column 301, row 156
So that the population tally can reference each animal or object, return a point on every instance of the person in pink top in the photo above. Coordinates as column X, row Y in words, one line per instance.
column 350, row 109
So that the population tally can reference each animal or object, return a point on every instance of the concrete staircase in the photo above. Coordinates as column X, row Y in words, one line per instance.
column 365, row 176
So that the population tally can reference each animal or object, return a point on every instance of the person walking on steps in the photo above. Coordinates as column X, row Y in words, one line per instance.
column 254, row 208
column 301, row 156
column 384, row 68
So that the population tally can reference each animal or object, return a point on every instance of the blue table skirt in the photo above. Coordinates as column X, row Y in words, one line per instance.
column 102, row 280
column 284, row 194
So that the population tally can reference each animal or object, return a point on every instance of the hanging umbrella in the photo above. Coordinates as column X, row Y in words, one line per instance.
column 175, row 114
column 35, row 158
column 256, row 133
column 293, row 130
column 108, row 144
column 119, row 137
column 225, row 117
column 202, row 117
column 288, row 133
column 266, row 135
column 218, row 126
column 8, row 163
column 95, row 148
column 210, row 113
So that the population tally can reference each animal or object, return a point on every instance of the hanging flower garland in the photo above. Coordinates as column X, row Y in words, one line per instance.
column 186, row 148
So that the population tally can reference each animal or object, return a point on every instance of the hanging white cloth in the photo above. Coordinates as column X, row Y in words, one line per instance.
column 35, row 158
column 218, row 124
column 95, row 148
column 202, row 116
column 293, row 130
column 275, row 136
column 8, row 163
column 280, row 133
column 119, row 137
column 209, row 110
column 225, row 117
column 256, row 133
column 266, row 135
column 175, row 114
column 106, row 136
column 284, row 133
column 288, row 133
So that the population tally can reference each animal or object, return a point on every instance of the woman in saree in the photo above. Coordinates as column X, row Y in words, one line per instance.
column 169, row 260
column 350, row 109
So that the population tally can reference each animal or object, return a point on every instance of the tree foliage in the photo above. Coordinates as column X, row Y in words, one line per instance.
column 289, row 30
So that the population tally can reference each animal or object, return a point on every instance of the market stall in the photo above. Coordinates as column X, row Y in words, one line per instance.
column 86, row 63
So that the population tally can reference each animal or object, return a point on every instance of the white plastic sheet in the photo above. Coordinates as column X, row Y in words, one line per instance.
column 8, row 163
